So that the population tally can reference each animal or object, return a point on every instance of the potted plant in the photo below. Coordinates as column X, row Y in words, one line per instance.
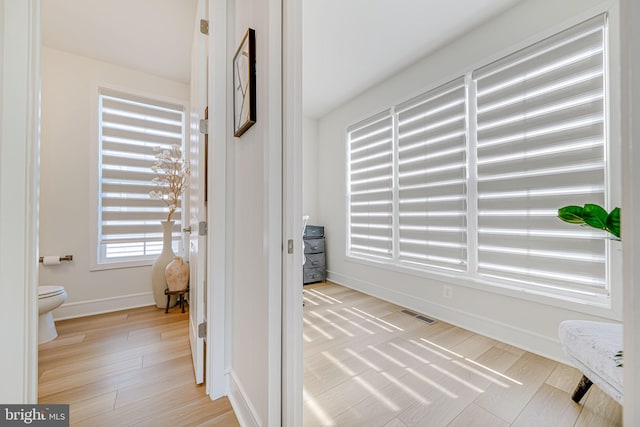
column 593, row 216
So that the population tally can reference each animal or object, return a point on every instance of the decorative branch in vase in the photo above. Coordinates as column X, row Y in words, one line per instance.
column 171, row 180
column 597, row 217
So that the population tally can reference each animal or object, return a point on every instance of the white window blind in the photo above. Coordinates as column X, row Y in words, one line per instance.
column 370, row 178
column 432, row 176
column 129, row 220
column 541, row 146
column 469, row 177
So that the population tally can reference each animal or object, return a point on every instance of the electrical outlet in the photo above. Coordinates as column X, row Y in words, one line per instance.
column 447, row 292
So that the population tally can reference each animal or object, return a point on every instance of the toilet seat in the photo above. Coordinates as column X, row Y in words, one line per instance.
column 49, row 291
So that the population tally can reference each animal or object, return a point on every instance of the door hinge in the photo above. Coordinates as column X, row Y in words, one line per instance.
column 290, row 246
column 202, row 330
column 204, row 26
column 203, row 126
column 202, row 228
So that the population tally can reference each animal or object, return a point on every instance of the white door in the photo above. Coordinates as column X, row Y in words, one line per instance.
column 197, row 194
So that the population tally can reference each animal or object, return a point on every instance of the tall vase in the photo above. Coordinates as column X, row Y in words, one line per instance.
column 158, row 280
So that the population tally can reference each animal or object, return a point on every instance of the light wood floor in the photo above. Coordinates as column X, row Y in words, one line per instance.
column 126, row 368
column 368, row 364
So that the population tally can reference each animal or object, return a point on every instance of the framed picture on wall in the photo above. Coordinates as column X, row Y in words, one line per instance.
column 244, row 84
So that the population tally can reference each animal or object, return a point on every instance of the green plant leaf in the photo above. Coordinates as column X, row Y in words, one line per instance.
column 595, row 216
column 571, row 214
column 613, row 222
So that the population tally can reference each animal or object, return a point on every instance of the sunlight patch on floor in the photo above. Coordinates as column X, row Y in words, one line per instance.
column 363, row 360
column 338, row 327
column 357, row 325
column 432, row 383
column 317, row 328
column 457, row 378
column 317, row 292
column 408, row 353
column 493, row 371
column 367, row 319
column 437, row 353
column 386, row 356
column 317, row 410
column 374, row 392
column 378, row 319
column 338, row 363
column 406, row 388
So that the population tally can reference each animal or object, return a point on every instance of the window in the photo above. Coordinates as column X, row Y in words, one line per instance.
column 541, row 146
column 432, row 172
column 467, row 178
column 371, row 187
column 130, row 127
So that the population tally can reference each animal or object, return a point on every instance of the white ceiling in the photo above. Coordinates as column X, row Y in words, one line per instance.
column 350, row 45
column 147, row 35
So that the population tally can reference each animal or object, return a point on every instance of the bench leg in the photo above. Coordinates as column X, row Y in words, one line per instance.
column 581, row 389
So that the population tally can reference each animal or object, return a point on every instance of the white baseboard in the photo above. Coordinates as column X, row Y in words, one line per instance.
column 527, row 340
column 104, row 305
column 244, row 410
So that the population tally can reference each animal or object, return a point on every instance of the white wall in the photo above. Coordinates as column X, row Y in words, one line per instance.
column 310, row 168
column 530, row 325
column 66, row 205
column 254, row 191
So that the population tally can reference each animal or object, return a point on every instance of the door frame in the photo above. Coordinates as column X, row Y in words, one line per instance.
column 292, row 312
column 218, row 321
column 19, row 185
column 630, row 13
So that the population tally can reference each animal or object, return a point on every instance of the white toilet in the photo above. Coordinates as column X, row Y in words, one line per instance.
column 49, row 298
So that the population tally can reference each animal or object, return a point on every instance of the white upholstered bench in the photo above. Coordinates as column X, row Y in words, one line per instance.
column 592, row 348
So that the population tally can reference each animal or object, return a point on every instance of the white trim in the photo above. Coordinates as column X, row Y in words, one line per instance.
column 630, row 14
column 216, row 313
column 292, row 325
column 244, row 410
column 19, row 183
column 94, row 169
column 272, row 205
column 71, row 310
column 504, row 332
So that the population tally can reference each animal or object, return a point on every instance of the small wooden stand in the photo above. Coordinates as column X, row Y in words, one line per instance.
column 181, row 293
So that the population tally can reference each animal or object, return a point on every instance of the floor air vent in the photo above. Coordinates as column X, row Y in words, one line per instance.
column 420, row 316
column 426, row 319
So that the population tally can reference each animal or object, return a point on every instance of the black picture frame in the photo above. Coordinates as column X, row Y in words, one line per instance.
column 244, row 84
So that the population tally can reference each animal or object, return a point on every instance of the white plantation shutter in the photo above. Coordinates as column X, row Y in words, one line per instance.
column 540, row 146
column 370, row 178
column 432, row 174
column 129, row 220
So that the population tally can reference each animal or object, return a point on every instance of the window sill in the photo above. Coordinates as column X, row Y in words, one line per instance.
column 117, row 265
